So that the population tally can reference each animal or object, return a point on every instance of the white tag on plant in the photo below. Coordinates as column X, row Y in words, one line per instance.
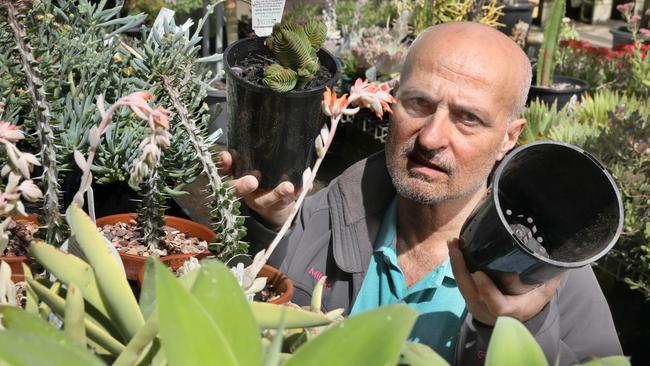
column 265, row 14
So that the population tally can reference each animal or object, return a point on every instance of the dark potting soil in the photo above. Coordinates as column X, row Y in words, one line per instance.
column 252, row 66
column 20, row 235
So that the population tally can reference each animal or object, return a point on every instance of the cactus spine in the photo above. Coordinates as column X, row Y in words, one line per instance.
column 51, row 211
column 546, row 63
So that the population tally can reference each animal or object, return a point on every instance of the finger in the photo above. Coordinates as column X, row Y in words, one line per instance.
column 462, row 275
column 224, row 162
column 281, row 195
column 495, row 301
column 244, row 185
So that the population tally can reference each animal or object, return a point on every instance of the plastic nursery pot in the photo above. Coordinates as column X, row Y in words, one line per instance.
column 15, row 262
column 271, row 135
column 562, row 96
column 551, row 207
column 133, row 263
column 514, row 13
column 621, row 35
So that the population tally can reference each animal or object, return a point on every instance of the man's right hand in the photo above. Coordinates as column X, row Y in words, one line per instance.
column 272, row 206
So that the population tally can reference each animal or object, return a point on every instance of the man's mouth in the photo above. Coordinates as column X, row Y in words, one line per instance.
column 417, row 162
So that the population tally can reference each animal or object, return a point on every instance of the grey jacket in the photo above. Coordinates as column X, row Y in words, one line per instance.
column 334, row 236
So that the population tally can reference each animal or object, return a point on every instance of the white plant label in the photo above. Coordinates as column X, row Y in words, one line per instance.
column 265, row 14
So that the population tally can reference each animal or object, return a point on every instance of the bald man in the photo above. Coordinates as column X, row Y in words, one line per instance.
column 386, row 230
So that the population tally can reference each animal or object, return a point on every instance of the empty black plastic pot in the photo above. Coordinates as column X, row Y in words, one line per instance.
column 271, row 135
column 551, row 207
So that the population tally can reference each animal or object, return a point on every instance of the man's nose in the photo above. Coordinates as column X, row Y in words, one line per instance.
column 436, row 132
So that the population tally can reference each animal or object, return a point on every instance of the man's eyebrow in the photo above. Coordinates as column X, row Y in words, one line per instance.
column 411, row 92
column 482, row 116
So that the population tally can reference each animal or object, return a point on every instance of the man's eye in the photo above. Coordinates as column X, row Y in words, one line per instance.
column 418, row 105
column 469, row 117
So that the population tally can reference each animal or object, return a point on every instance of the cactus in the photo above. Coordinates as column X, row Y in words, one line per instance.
column 548, row 54
column 295, row 48
column 229, row 225
column 42, row 116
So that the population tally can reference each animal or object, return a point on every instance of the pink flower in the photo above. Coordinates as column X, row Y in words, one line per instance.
column 625, row 8
column 645, row 32
column 370, row 96
column 10, row 132
column 635, row 18
column 647, row 12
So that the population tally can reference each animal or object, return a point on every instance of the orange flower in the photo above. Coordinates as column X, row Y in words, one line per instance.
column 160, row 117
column 333, row 107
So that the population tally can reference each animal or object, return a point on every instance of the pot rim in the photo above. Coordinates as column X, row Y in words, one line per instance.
column 293, row 93
column 504, row 222
column 527, row 5
column 579, row 85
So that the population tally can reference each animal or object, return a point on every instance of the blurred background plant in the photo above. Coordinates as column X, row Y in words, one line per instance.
column 152, row 7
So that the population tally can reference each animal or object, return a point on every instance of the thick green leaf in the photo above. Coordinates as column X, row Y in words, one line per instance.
column 24, row 348
column 609, row 361
column 147, row 300
column 416, row 354
column 270, row 316
column 20, row 320
column 74, row 320
column 219, row 293
column 69, row 268
column 511, row 344
column 375, row 337
column 113, row 286
column 189, row 335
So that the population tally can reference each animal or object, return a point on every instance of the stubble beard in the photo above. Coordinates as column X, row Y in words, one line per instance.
column 418, row 187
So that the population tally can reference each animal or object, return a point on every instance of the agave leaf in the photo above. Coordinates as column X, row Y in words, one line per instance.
column 95, row 332
column 188, row 334
column 14, row 318
column 416, row 354
column 139, row 342
column 385, row 328
column 512, row 344
column 147, row 300
column 31, row 306
column 23, row 348
column 112, row 284
column 69, row 268
column 74, row 315
column 220, row 294
column 272, row 316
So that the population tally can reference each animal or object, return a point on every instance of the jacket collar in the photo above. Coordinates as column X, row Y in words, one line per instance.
column 357, row 203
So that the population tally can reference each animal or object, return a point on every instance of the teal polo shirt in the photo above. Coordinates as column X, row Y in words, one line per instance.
column 435, row 296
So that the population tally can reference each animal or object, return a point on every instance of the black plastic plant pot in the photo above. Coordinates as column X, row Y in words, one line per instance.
column 562, row 96
column 514, row 13
column 551, row 207
column 271, row 135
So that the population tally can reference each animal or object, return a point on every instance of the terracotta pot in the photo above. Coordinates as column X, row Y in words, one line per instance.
column 134, row 263
column 279, row 280
column 16, row 262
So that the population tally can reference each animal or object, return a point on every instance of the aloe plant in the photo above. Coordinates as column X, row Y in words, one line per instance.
column 548, row 52
column 295, row 48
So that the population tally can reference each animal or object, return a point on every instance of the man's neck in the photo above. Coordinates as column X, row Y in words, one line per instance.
column 423, row 231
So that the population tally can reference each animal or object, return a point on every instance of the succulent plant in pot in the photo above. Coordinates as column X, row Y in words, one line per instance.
column 274, row 100
column 547, row 86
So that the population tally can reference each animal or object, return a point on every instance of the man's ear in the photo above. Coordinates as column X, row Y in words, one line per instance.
column 512, row 135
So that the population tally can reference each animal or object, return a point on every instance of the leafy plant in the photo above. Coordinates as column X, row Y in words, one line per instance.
column 295, row 48
column 425, row 13
column 548, row 52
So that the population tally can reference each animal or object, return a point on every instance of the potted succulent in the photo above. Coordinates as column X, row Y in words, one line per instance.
column 274, row 89
column 547, row 86
column 515, row 11
column 627, row 34
column 17, row 227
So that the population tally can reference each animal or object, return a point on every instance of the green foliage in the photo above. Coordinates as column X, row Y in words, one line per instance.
column 548, row 52
column 295, row 48
column 425, row 13
column 512, row 344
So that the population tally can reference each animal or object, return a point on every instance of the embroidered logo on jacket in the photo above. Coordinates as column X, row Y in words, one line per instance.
column 317, row 275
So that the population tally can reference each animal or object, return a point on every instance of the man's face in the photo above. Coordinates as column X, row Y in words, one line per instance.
column 449, row 127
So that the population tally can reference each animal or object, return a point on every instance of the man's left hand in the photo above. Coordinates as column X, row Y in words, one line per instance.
column 486, row 302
